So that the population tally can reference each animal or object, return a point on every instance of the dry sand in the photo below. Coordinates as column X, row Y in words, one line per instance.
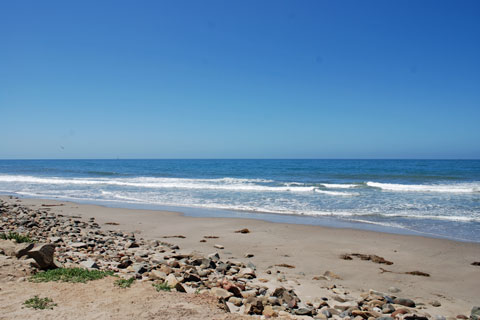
column 313, row 250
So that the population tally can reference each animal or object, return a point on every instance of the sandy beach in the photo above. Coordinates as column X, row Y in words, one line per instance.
column 312, row 251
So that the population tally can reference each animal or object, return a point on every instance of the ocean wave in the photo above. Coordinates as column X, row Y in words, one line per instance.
column 339, row 186
column 227, row 184
column 444, row 188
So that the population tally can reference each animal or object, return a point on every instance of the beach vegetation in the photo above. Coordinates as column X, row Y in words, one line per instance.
column 19, row 238
column 39, row 303
column 124, row 283
column 70, row 275
column 161, row 286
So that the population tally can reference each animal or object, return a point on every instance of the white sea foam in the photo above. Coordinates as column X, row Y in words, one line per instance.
column 339, row 186
column 228, row 184
column 337, row 193
column 446, row 188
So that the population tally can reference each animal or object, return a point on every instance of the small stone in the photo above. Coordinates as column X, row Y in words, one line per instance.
column 269, row 312
column 399, row 311
column 221, row 293
column 157, row 275
column 303, row 312
column 219, row 246
column 78, row 245
column 435, row 303
column 249, row 255
column 89, row 264
column 404, row 302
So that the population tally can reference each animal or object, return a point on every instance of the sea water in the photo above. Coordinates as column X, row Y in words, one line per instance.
column 439, row 198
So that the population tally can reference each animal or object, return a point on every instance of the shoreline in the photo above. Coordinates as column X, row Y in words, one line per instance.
column 334, row 222
column 312, row 250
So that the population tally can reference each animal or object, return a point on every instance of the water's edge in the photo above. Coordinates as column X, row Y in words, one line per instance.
column 328, row 222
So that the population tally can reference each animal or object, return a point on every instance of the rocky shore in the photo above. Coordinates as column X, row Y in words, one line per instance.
column 66, row 241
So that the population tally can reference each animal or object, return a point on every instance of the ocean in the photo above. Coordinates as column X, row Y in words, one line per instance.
column 436, row 198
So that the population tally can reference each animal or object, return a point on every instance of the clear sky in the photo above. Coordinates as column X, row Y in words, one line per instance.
column 240, row 79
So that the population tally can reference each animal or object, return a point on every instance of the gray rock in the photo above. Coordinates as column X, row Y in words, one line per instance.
column 304, row 312
column 327, row 313
column 89, row 264
column 78, row 245
column 139, row 268
column 221, row 293
column 475, row 314
column 214, row 256
column 388, row 308
column 435, row 303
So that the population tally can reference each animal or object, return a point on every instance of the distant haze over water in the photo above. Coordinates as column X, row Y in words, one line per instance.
column 433, row 197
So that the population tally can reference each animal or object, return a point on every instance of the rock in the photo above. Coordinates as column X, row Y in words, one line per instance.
column 246, row 272
column 43, row 255
column 249, row 255
column 139, row 268
column 89, row 264
column 245, row 230
column 221, row 293
column 385, row 318
column 7, row 247
column 414, row 317
column 190, row 277
column 304, row 312
column 404, row 302
column 269, row 312
column 55, row 239
column 399, row 311
column 475, row 313
column 437, row 317
column 179, row 287
column 388, row 308
column 327, row 313
column 214, row 256
column 232, row 308
column 435, row 303
column 236, row 301
column 78, row 245
column 171, row 280
column 219, row 246
column 157, row 275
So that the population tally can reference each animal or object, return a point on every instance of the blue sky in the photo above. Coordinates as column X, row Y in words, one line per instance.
column 240, row 79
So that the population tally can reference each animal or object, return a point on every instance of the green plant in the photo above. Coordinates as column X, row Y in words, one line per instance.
column 40, row 303
column 70, row 275
column 124, row 283
column 161, row 286
column 15, row 236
